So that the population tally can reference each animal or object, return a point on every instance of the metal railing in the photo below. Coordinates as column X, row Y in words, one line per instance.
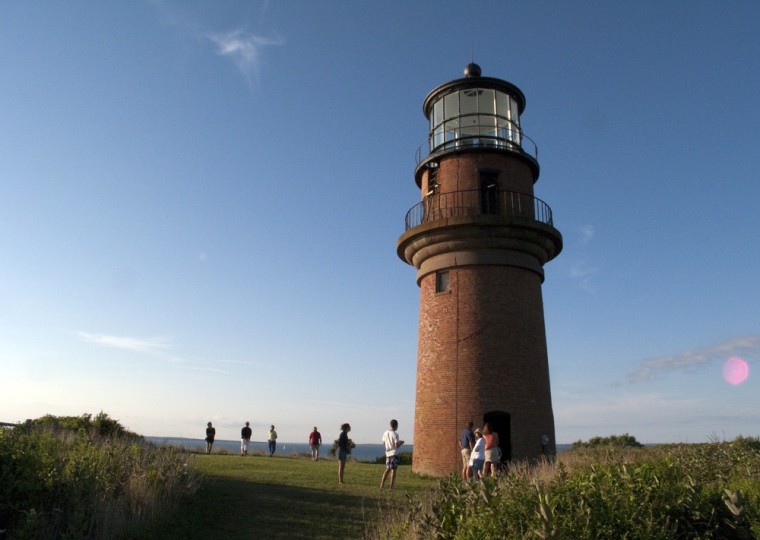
column 460, row 139
column 507, row 205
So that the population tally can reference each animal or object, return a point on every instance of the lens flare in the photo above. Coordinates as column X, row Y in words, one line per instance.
column 735, row 370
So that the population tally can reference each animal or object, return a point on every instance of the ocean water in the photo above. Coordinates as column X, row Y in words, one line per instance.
column 362, row 452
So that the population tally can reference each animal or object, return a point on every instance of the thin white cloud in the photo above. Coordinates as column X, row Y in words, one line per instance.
column 159, row 348
column 582, row 270
column 583, row 274
column 747, row 347
column 651, row 418
column 245, row 49
column 624, row 408
column 143, row 346
column 587, row 233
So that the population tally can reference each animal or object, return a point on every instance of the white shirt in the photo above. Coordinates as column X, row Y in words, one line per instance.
column 390, row 439
column 479, row 450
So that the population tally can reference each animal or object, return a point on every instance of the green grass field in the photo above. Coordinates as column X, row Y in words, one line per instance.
column 262, row 497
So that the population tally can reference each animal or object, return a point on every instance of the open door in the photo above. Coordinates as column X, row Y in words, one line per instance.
column 501, row 423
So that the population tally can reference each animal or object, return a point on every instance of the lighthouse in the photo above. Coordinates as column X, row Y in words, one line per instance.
column 479, row 239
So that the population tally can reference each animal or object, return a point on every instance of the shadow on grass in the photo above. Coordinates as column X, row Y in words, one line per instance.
column 234, row 509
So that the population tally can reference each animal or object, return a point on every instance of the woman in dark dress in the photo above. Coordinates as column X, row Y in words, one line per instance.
column 210, row 434
column 343, row 450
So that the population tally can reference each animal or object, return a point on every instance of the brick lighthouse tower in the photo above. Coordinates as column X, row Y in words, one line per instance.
column 479, row 239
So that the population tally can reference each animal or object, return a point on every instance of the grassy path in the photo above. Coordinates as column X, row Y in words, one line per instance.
column 285, row 497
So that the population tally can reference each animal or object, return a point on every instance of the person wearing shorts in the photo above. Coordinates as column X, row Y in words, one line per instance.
column 392, row 443
column 493, row 452
column 478, row 455
column 344, row 448
column 466, row 442
column 315, row 441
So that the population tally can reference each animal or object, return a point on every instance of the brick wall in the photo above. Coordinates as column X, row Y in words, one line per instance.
column 482, row 348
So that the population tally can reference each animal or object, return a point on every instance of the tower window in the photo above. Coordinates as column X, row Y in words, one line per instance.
column 441, row 281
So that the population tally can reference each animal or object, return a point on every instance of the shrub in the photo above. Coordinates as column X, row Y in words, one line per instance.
column 334, row 449
column 620, row 441
column 603, row 491
column 64, row 478
column 404, row 458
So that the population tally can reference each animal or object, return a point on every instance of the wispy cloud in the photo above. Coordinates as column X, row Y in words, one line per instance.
column 143, row 346
column 650, row 417
column 587, row 233
column 158, row 348
column 580, row 270
column 612, row 409
column 584, row 274
column 245, row 49
column 747, row 347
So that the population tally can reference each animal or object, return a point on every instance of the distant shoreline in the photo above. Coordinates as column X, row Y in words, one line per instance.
column 362, row 452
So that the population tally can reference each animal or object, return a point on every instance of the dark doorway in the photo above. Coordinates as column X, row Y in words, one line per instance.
column 489, row 192
column 501, row 423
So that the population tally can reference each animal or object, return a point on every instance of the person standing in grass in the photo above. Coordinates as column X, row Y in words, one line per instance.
column 210, row 434
column 315, row 441
column 344, row 448
column 392, row 443
column 245, row 438
column 478, row 456
column 272, row 440
column 466, row 442
column 493, row 452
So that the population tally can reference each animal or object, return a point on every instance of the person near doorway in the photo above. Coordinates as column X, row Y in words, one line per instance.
column 493, row 452
column 466, row 442
column 478, row 456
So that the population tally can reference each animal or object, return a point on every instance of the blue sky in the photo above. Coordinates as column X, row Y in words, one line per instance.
column 200, row 204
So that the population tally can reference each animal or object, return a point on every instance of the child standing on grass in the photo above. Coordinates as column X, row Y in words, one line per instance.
column 343, row 450
column 392, row 443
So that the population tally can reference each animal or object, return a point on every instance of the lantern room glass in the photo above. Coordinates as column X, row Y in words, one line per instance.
column 475, row 117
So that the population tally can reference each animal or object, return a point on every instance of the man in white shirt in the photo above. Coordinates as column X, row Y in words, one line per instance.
column 392, row 443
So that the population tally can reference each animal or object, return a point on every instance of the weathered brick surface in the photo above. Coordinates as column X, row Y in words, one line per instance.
column 461, row 172
column 482, row 344
column 482, row 348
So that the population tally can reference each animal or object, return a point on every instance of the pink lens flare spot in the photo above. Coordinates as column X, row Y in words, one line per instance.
column 735, row 370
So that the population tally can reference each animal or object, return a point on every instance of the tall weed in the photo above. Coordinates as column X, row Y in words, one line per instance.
column 58, row 484
column 666, row 492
